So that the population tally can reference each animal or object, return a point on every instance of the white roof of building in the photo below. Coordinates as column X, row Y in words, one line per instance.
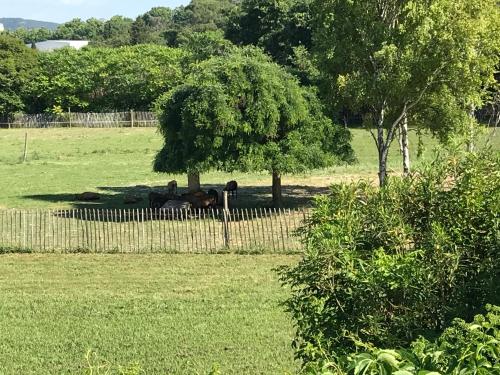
column 51, row 45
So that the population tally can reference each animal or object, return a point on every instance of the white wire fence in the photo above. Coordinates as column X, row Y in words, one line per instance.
column 81, row 120
column 151, row 230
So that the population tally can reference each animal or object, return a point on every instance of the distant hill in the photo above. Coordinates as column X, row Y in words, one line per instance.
column 16, row 23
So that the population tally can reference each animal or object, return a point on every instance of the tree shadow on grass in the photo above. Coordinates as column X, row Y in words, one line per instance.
column 112, row 197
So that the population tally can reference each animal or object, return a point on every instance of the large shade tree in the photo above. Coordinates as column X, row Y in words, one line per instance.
column 244, row 112
column 430, row 61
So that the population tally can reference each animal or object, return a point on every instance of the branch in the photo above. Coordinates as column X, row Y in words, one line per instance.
column 427, row 86
column 373, row 136
column 395, row 124
column 408, row 106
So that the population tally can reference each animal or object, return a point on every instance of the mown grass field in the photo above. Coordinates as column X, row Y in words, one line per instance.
column 114, row 162
column 170, row 314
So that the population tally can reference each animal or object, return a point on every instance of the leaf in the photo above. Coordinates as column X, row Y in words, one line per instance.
column 388, row 358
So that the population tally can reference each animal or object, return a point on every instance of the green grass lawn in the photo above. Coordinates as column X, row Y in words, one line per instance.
column 170, row 314
column 114, row 162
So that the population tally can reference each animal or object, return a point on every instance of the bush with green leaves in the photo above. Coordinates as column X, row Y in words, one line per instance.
column 102, row 79
column 385, row 266
column 463, row 348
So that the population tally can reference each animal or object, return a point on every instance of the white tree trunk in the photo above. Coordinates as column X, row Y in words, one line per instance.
column 472, row 131
column 405, row 146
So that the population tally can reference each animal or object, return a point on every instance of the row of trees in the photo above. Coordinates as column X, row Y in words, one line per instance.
column 160, row 25
column 276, row 26
column 97, row 79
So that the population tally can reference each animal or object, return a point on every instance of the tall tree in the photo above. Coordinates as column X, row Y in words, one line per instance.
column 76, row 29
column 277, row 26
column 389, row 58
column 18, row 67
column 29, row 36
column 116, row 32
column 151, row 26
column 243, row 112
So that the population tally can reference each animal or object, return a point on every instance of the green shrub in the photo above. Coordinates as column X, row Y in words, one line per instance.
column 383, row 267
column 463, row 348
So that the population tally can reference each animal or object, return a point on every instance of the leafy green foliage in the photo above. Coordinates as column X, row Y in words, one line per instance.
column 160, row 25
column 163, row 25
column 276, row 26
column 463, row 348
column 17, row 69
column 29, row 36
column 77, row 29
column 106, row 79
column 243, row 112
column 116, row 32
column 204, row 45
column 202, row 16
column 385, row 266
column 151, row 26
column 428, row 61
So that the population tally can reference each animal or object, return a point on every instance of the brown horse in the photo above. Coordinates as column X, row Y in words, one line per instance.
column 232, row 188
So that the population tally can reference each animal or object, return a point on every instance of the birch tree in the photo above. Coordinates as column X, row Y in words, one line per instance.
column 386, row 59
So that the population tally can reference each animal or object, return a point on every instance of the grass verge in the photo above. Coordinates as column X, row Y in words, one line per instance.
column 167, row 314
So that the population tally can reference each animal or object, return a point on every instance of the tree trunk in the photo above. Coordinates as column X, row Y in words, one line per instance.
column 405, row 146
column 277, row 197
column 382, row 157
column 472, row 130
column 194, row 182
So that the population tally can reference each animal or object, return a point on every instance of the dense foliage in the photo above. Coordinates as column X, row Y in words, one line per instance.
column 276, row 26
column 105, row 79
column 390, row 60
column 385, row 266
column 17, row 69
column 463, row 348
column 243, row 112
column 159, row 25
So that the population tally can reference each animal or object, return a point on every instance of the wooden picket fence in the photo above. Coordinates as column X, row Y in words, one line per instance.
column 151, row 230
column 81, row 120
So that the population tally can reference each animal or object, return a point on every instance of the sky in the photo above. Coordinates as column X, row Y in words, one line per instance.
column 64, row 10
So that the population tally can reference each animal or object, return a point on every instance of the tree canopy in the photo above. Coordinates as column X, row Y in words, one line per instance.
column 106, row 79
column 387, row 59
column 17, row 69
column 244, row 112
column 276, row 26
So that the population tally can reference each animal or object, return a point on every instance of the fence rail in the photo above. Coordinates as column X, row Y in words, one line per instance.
column 151, row 231
column 82, row 120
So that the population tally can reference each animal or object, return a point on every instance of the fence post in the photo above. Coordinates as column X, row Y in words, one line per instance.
column 69, row 116
column 25, row 153
column 131, row 118
column 225, row 224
